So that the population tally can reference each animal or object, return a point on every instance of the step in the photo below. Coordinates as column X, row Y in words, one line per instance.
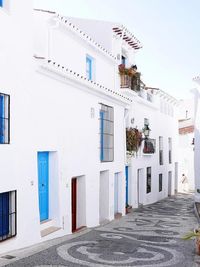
column 49, row 231
column 118, row 215
column 46, row 224
column 104, row 222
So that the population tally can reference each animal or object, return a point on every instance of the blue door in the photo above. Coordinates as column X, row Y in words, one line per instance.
column 101, row 135
column 4, row 214
column 1, row 119
column 43, row 182
column 126, row 171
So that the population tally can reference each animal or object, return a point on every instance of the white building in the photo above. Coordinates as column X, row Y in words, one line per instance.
column 62, row 128
column 186, row 144
column 64, row 114
column 153, row 170
column 196, row 93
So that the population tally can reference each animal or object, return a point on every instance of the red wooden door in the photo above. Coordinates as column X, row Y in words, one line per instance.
column 73, row 204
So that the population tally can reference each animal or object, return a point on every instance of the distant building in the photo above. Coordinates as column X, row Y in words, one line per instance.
column 196, row 93
column 186, row 143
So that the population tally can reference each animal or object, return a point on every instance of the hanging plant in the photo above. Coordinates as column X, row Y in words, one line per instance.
column 131, row 72
column 133, row 139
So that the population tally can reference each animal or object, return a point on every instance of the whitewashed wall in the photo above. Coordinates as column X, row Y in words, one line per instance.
column 161, row 125
column 53, row 113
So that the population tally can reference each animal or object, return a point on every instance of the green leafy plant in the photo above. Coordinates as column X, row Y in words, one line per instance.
column 133, row 139
column 129, row 71
column 192, row 234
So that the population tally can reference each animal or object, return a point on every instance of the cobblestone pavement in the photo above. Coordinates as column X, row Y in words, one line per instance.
column 149, row 236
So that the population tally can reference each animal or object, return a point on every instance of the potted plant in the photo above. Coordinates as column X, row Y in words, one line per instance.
column 195, row 234
column 133, row 140
column 128, row 208
column 127, row 71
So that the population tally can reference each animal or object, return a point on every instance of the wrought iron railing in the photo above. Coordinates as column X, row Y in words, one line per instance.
column 149, row 146
column 133, row 83
column 8, row 215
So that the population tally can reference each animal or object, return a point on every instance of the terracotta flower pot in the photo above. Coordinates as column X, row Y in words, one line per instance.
column 198, row 245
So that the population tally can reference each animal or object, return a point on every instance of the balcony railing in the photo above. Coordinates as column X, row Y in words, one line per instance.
column 149, row 146
column 133, row 83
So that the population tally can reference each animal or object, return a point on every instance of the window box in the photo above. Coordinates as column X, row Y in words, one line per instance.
column 149, row 146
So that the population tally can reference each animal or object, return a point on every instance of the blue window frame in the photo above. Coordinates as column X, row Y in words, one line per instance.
column 4, row 119
column 106, row 133
column 89, row 67
column 7, row 215
column 123, row 60
column 1, row 3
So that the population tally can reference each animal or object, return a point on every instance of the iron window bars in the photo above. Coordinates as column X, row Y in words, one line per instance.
column 8, row 215
column 4, row 119
column 106, row 133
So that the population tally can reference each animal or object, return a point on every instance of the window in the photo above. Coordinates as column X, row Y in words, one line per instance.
column 161, row 150
column 160, row 182
column 123, row 60
column 149, row 146
column 89, row 67
column 148, row 180
column 4, row 119
column 1, row 3
column 106, row 133
column 170, row 149
column 7, row 215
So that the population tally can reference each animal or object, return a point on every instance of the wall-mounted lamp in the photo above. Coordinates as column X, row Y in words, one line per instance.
column 132, row 120
column 146, row 131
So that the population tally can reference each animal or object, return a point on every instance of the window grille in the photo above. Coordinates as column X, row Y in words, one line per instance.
column 148, row 189
column 106, row 133
column 8, row 214
column 161, row 150
column 170, row 149
column 160, row 182
column 4, row 119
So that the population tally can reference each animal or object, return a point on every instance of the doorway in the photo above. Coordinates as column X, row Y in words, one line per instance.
column 78, row 203
column 127, row 176
column 140, row 187
column 176, row 178
column 74, row 203
column 43, row 184
column 104, row 196
column 169, row 184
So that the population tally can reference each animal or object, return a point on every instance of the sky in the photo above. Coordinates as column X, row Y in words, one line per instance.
column 169, row 31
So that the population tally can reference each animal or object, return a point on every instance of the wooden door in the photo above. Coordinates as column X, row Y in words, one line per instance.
column 74, row 205
column 43, row 184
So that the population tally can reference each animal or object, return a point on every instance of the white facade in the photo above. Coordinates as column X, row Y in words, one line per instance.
column 55, row 107
column 196, row 94
column 186, row 144
column 164, row 124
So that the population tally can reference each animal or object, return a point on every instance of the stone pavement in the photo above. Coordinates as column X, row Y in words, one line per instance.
column 149, row 236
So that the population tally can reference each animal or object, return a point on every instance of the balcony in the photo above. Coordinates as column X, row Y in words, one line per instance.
column 130, row 78
column 149, row 146
column 133, row 83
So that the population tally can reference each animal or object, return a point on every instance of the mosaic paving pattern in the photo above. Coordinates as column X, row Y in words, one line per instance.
column 149, row 236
